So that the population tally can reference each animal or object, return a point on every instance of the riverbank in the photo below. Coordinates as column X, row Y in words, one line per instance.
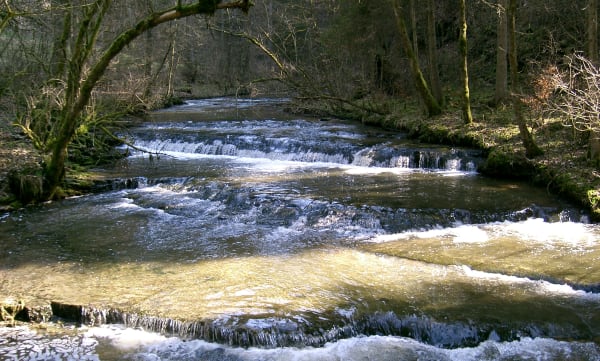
column 564, row 169
column 17, row 154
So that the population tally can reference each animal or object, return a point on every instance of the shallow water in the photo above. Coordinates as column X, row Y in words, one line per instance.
column 304, row 239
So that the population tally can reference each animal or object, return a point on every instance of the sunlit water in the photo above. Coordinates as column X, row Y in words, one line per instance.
column 276, row 238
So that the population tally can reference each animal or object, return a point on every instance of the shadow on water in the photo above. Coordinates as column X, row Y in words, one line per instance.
column 304, row 299
column 467, row 316
column 221, row 255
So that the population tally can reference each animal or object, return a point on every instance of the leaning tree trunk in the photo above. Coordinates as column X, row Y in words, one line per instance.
column 79, row 90
column 531, row 148
column 431, row 105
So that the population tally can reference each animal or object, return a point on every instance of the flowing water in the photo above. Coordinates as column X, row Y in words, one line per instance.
column 251, row 234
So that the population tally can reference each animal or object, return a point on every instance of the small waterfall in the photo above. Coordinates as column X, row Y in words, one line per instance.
column 275, row 332
column 278, row 333
column 299, row 141
column 383, row 158
column 392, row 157
column 119, row 183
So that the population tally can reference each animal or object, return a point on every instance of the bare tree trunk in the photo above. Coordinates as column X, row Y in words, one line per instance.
column 592, row 54
column 60, row 49
column 413, row 28
column 501, row 93
column 462, row 41
column 170, row 93
column 148, row 51
column 434, row 75
column 431, row 105
column 531, row 149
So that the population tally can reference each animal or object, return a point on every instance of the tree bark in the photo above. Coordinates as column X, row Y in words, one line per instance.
column 79, row 90
column 413, row 27
column 432, row 55
column 592, row 54
column 60, row 48
column 501, row 91
column 431, row 105
column 592, row 31
column 462, row 42
column 531, row 148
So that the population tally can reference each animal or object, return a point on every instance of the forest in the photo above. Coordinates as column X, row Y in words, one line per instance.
column 516, row 78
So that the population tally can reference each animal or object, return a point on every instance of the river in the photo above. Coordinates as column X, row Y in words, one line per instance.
column 246, row 233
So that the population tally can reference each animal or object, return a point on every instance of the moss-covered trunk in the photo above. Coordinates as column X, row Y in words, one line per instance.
column 462, row 43
column 431, row 104
column 54, row 170
column 531, row 148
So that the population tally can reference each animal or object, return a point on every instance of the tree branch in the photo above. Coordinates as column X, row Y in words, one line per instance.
column 128, row 36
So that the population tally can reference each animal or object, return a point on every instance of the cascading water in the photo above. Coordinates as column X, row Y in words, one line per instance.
column 301, row 239
column 298, row 141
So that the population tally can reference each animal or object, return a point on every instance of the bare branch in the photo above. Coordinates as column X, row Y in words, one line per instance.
column 578, row 94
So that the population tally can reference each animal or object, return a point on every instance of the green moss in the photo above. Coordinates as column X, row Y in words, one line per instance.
column 15, row 205
column 593, row 196
column 503, row 163
column 434, row 134
column 26, row 186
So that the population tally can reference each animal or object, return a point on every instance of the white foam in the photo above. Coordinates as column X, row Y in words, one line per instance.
column 364, row 170
column 469, row 234
column 133, row 344
column 534, row 230
column 539, row 286
column 125, row 203
column 126, row 339
column 537, row 230
column 459, row 234
column 361, row 165
column 528, row 349
column 346, row 312
column 21, row 343
column 381, row 348
column 244, row 293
